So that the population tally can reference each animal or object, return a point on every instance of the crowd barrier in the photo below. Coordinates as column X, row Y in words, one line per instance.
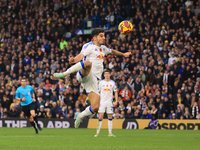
column 92, row 123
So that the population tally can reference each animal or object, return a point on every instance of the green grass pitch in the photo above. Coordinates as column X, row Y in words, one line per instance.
column 83, row 139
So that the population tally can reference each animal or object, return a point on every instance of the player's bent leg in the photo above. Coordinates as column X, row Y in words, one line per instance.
column 75, row 68
column 94, row 99
column 99, row 124
column 110, row 125
column 32, row 112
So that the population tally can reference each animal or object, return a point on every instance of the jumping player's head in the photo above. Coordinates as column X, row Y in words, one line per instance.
column 107, row 74
column 98, row 37
column 23, row 82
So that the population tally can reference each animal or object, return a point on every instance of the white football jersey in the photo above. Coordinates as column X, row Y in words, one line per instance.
column 95, row 55
column 106, row 90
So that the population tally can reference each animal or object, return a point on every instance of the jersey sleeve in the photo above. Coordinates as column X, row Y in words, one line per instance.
column 17, row 94
column 32, row 91
column 86, row 49
column 107, row 50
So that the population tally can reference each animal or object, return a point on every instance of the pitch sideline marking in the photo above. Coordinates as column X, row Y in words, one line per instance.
column 86, row 135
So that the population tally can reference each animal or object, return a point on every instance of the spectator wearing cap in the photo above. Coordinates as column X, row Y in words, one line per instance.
column 163, row 31
column 173, row 116
column 42, row 113
column 171, row 59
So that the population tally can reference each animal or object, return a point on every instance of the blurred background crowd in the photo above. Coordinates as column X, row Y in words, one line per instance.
column 161, row 77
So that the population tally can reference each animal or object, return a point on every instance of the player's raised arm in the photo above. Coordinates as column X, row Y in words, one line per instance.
column 117, row 53
column 78, row 58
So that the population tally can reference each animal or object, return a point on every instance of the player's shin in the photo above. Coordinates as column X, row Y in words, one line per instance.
column 110, row 125
column 75, row 68
column 87, row 112
column 33, row 124
column 99, row 124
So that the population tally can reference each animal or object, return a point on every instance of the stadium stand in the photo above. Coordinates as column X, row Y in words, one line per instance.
column 162, row 76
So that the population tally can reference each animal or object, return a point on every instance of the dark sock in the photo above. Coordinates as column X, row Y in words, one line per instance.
column 36, row 119
column 33, row 124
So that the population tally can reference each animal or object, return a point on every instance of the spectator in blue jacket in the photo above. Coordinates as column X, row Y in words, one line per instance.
column 146, row 115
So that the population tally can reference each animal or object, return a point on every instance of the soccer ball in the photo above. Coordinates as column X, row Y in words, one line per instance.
column 125, row 27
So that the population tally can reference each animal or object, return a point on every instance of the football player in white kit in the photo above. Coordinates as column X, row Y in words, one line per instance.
column 90, row 69
column 106, row 88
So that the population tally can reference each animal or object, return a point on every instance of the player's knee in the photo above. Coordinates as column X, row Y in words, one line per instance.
column 31, row 119
column 96, row 107
column 88, row 64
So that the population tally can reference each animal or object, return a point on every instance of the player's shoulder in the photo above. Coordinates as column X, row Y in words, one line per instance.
column 19, row 88
column 29, row 86
column 101, row 81
column 88, row 45
column 103, row 46
column 112, row 81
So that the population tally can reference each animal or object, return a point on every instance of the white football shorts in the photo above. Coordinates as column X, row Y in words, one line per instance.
column 90, row 82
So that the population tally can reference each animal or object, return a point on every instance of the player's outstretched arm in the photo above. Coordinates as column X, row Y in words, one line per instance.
column 76, row 59
column 117, row 53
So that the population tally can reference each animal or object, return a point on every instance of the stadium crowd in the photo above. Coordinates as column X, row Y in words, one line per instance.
column 162, row 76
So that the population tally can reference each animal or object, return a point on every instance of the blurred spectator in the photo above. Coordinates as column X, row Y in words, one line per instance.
column 146, row 115
column 42, row 113
column 54, row 110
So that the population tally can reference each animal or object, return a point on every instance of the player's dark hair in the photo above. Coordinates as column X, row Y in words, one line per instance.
column 23, row 78
column 96, row 32
column 107, row 70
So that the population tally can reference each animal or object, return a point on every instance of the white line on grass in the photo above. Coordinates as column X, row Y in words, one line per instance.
column 50, row 136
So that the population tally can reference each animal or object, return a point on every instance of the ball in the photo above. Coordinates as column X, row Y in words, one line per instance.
column 125, row 27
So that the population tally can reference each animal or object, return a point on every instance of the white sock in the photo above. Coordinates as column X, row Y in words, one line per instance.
column 99, row 126
column 87, row 112
column 110, row 125
column 75, row 68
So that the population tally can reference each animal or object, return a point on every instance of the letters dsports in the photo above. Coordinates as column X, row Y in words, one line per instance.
column 141, row 124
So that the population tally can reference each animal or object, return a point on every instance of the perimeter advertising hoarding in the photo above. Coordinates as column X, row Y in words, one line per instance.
column 141, row 124
column 92, row 123
column 44, row 123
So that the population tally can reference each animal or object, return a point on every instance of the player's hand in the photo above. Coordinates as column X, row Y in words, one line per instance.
column 34, row 100
column 115, row 105
column 127, row 54
column 71, row 60
column 23, row 99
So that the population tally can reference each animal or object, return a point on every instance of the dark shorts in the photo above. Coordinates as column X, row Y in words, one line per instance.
column 28, row 108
